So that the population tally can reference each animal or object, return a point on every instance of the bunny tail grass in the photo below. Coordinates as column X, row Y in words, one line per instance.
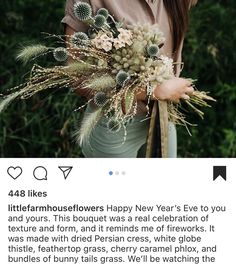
column 101, row 82
column 8, row 99
column 88, row 123
column 30, row 52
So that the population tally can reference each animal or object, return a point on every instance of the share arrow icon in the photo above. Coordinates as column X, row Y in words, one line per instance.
column 65, row 170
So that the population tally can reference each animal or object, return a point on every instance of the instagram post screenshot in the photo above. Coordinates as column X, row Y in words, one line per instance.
column 118, row 132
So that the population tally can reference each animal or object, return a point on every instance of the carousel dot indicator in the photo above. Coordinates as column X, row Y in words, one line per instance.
column 117, row 173
column 110, row 173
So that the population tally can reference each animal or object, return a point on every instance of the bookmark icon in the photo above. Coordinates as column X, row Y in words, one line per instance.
column 65, row 170
column 219, row 172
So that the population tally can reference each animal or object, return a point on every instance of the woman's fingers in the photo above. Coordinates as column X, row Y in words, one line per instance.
column 188, row 83
column 185, row 97
column 189, row 90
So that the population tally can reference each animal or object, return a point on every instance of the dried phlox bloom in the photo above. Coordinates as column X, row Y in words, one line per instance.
column 125, row 33
column 118, row 43
column 125, row 36
column 107, row 46
column 102, row 41
column 167, row 63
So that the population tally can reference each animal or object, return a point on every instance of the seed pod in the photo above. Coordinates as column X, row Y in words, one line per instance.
column 102, row 63
column 117, row 58
column 124, row 52
column 79, row 39
column 136, row 61
column 130, row 52
column 82, row 11
column 130, row 62
column 104, row 12
column 60, row 54
column 118, row 67
column 135, row 68
column 145, row 42
column 99, row 21
column 149, row 63
column 131, row 72
column 126, row 65
column 122, row 77
column 100, row 99
column 153, row 50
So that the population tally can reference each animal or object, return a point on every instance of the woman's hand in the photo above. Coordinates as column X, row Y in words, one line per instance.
column 174, row 90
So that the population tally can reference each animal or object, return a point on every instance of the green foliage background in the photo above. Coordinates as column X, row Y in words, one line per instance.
column 43, row 126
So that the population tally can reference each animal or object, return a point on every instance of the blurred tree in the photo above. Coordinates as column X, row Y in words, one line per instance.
column 43, row 126
column 209, row 56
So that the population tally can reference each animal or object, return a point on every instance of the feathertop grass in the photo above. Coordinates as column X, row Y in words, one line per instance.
column 31, row 52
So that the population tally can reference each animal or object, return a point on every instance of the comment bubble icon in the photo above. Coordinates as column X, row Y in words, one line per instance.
column 40, row 173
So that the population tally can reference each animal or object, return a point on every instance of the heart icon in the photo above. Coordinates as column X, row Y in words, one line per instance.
column 14, row 172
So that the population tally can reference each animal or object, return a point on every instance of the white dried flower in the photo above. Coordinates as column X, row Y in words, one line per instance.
column 167, row 63
column 125, row 33
column 97, row 42
column 105, row 37
column 107, row 46
column 118, row 44
column 125, row 36
column 103, row 42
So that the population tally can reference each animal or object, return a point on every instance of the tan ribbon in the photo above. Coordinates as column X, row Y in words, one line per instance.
column 163, row 112
column 163, row 115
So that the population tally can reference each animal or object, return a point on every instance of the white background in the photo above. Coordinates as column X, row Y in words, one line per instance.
column 146, row 181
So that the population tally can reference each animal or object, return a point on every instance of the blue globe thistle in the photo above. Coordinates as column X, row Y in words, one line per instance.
column 100, row 99
column 122, row 77
column 99, row 21
column 82, row 11
column 153, row 50
column 104, row 12
column 60, row 54
column 80, row 39
column 113, row 125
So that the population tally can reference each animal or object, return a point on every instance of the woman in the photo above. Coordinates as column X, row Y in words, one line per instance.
column 172, row 17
